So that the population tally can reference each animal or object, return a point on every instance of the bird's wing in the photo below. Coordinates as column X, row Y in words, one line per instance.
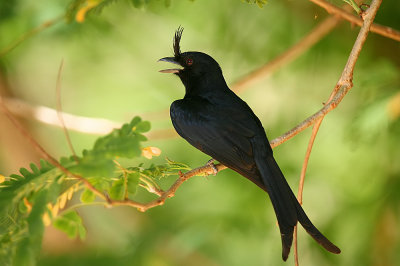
column 224, row 134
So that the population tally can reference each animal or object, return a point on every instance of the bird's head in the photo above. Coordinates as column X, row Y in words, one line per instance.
column 196, row 68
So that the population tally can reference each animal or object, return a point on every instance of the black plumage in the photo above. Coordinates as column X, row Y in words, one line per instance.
column 216, row 121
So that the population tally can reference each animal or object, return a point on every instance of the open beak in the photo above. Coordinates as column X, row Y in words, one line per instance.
column 173, row 61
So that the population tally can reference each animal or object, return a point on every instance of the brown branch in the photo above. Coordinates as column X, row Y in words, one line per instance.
column 306, row 159
column 295, row 248
column 376, row 28
column 59, row 111
column 345, row 83
column 29, row 34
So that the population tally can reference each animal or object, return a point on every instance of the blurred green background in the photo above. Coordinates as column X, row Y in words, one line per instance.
column 352, row 190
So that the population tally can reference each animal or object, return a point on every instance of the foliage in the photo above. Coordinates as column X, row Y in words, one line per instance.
column 34, row 199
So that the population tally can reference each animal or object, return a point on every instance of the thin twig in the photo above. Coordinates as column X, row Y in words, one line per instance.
column 59, row 111
column 301, row 184
column 376, row 28
column 295, row 248
column 345, row 83
column 29, row 34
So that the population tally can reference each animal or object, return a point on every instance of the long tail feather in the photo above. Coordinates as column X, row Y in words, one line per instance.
column 287, row 208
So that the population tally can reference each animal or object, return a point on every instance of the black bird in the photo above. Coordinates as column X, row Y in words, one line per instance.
column 216, row 121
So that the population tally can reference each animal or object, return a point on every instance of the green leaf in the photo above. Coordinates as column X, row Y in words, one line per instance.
column 135, row 121
column 123, row 142
column 29, row 247
column 35, row 169
column 71, row 224
column 89, row 167
column 117, row 190
column 102, row 184
column 24, row 254
column 24, row 172
column 34, row 220
column 143, row 126
column 133, row 182
column 87, row 196
column 45, row 166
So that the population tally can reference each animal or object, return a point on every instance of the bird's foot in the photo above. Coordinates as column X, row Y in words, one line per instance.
column 212, row 165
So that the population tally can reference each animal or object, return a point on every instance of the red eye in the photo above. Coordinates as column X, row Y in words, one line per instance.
column 189, row 61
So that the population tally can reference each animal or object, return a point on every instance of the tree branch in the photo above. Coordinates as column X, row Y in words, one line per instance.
column 376, row 28
column 345, row 83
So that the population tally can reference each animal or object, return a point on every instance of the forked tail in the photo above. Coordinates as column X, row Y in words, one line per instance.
column 287, row 209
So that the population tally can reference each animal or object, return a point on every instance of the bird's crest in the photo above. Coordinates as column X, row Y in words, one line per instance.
column 177, row 40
